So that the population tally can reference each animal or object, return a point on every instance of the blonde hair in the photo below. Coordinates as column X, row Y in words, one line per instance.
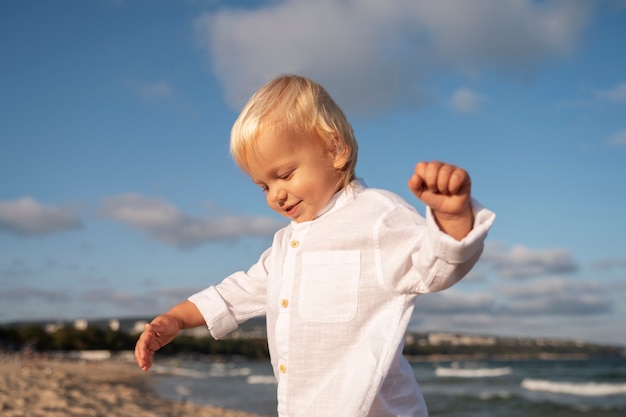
column 293, row 102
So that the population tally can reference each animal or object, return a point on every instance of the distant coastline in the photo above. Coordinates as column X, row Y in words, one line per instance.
column 248, row 341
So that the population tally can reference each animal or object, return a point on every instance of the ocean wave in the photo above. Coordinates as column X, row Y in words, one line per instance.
column 226, row 371
column 261, row 379
column 174, row 370
column 213, row 372
column 586, row 389
column 500, row 395
column 472, row 373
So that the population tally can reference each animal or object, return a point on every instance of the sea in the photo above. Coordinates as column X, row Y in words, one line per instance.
column 503, row 388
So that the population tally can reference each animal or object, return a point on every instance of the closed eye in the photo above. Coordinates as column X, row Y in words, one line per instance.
column 286, row 175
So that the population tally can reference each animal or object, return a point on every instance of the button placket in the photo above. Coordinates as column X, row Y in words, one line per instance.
column 291, row 249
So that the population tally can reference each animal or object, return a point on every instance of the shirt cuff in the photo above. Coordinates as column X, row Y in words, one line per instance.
column 459, row 251
column 215, row 312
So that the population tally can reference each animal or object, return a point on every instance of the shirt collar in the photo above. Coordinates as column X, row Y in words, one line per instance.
column 340, row 199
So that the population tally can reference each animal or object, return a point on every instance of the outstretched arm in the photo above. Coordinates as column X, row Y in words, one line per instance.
column 163, row 329
column 446, row 189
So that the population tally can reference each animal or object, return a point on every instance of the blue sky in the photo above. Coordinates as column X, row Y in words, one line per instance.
column 118, row 196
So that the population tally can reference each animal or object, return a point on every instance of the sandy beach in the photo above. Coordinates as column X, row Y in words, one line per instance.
column 64, row 388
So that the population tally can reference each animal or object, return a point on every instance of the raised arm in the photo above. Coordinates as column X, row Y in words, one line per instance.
column 163, row 329
column 446, row 189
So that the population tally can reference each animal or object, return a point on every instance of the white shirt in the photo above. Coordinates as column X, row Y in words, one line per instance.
column 338, row 293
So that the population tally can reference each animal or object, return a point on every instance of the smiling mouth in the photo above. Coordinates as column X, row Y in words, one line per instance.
column 289, row 209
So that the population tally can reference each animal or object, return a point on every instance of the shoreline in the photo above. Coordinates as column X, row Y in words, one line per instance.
column 501, row 357
column 42, row 387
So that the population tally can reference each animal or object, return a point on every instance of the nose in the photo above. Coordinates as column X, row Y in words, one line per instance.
column 277, row 195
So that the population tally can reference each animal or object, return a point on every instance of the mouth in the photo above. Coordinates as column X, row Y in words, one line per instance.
column 290, row 209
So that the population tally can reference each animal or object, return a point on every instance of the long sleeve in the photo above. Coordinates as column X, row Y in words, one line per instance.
column 236, row 299
column 414, row 256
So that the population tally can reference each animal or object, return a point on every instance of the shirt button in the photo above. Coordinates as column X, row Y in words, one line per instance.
column 282, row 368
column 284, row 303
column 295, row 244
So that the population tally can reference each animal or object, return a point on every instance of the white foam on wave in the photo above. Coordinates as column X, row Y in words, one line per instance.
column 178, row 371
column 495, row 395
column 586, row 389
column 222, row 371
column 261, row 379
column 472, row 373
column 214, row 372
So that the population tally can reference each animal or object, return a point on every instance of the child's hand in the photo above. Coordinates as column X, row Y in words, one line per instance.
column 446, row 189
column 443, row 187
column 157, row 334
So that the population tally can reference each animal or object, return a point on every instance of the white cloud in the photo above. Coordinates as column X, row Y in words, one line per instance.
column 454, row 302
column 552, row 288
column 57, row 296
column 556, row 296
column 609, row 264
column 27, row 217
column 374, row 55
column 144, row 303
column 517, row 309
column 153, row 90
column 465, row 100
column 616, row 94
column 522, row 262
column 618, row 139
column 164, row 222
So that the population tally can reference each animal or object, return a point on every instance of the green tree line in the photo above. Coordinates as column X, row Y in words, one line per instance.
column 69, row 339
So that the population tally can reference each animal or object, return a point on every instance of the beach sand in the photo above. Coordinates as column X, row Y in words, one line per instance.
column 64, row 388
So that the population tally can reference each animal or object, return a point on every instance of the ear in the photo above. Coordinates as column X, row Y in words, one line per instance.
column 341, row 157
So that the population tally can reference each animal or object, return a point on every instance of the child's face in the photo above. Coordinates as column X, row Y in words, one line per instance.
column 296, row 172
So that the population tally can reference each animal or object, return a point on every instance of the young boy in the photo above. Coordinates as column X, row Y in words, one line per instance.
column 339, row 282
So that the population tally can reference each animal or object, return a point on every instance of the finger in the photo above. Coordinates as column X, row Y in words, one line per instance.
column 146, row 345
column 430, row 174
column 415, row 183
column 143, row 356
column 443, row 178
column 459, row 180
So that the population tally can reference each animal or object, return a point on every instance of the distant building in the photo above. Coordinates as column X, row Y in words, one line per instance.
column 139, row 326
column 53, row 327
column 81, row 324
column 114, row 325
column 196, row 332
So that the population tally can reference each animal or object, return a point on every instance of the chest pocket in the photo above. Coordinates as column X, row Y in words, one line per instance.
column 329, row 288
